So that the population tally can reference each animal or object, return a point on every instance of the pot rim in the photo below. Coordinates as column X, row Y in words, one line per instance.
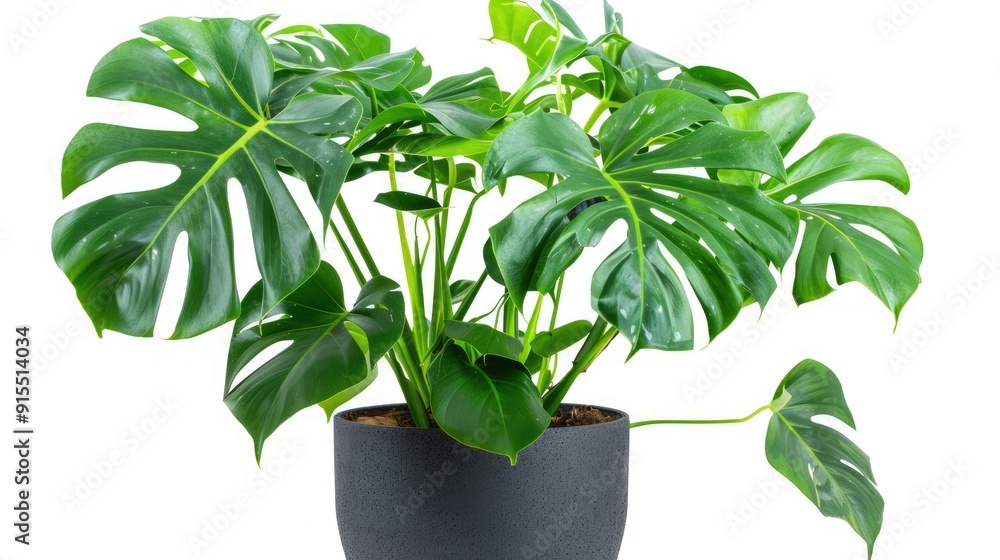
column 340, row 418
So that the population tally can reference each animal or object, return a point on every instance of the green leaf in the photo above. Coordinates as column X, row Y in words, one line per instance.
column 465, row 174
column 478, row 90
column 460, row 289
column 331, row 405
column 456, row 118
column 840, row 158
column 546, row 48
column 636, row 56
column 491, row 404
column 613, row 21
column 636, row 289
column 557, row 145
column 117, row 250
column 833, row 472
column 724, row 79
column 712, row 146
column 332, row 353
column 550, row 343
column 262, row 22
column 484, row 338
column 785, row 117
column 421, row 206
column 383, row 72
column 832, row 235
column 356, row 43
column 647, row 79
column 442, row 146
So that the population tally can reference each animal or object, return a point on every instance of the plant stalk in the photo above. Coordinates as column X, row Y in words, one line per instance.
column 412, row 282
column 592, row 348
column 746, row 418
column 352, row 229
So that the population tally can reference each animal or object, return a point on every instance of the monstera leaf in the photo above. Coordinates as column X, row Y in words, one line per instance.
column 831, row 230
column 490, row 404
column 836, row 233
column 346, row 59
column 332, row 355
column 543, row 43
column 117, row 250
column 821, row 462
column 722, row 236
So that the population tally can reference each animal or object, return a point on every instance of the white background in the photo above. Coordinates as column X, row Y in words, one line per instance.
column 919, row 78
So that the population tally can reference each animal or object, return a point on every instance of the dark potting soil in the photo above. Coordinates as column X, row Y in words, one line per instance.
column 400, row 417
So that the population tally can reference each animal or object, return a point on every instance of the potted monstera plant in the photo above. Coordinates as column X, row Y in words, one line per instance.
column 690, row 160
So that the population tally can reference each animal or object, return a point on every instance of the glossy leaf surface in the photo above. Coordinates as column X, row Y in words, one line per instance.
column 117, row 250
column 833, row 472
column 332, row 354
column 490, row 404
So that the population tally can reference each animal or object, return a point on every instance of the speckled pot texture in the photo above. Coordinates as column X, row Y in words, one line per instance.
column 419, row 495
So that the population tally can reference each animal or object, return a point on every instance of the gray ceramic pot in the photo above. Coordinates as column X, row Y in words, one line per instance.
column 417, row 494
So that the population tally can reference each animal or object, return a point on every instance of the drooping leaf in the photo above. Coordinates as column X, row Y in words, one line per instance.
column 117, row 250
column 890, row 272
column 826, row 466
column 332, row 355
column 840, row 158
column 484, row 338
column 490, row 404
column 832, row 235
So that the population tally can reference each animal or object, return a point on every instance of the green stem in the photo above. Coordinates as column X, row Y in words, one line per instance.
column 510, row 318
column 346, row 249
column 746, row 418
column 592, row 120
column 352, row 228
column 592, row 348
column 443, row 308
column 412, row 282
column 463, row 309
column 411, row 364
column 462, row 231
column 548, row 369
column 560, row 95
column 446, row 200
column 602, row 106
column 556, row 298
column 414, row 401
column 544, row 376
column 532, row 328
